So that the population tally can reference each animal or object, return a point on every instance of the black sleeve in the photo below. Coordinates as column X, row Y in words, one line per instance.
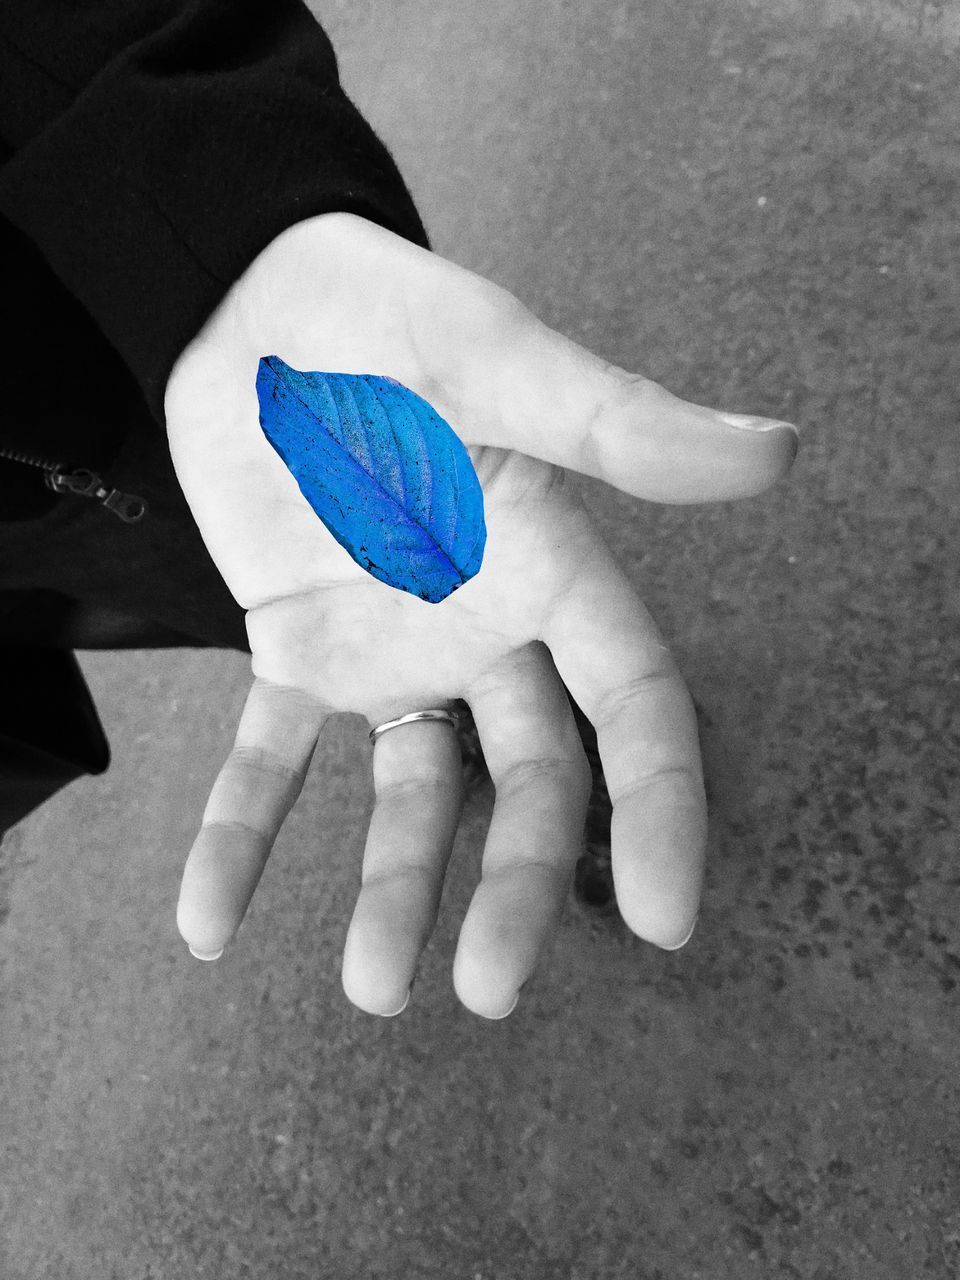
column 156, row 147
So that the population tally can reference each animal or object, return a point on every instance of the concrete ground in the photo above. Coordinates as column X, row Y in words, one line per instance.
column 757, row 204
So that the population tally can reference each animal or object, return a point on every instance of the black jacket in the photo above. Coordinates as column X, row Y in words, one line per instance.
column 149, row 150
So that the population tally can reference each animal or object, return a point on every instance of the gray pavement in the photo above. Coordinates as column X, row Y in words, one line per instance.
column 757, row 205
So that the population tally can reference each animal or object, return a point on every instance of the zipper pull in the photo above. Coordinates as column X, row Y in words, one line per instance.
column 87, row 484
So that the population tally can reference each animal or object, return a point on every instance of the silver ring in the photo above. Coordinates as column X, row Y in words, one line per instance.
column 435, row 713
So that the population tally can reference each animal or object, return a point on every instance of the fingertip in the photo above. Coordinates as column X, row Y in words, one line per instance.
column 792, row 446
column 669, row 933
column 389, row 1011
column 203, row 925
column 397, row 1012
column 684, row 938
column 368, row 999
column 688, row 452
column 492, row 1007
column 205, row 955
column 785, row 436
column 661, row 904
column 773, row 446
column 783, row 441
column 659, row 859
column 482, row 990
column 205, row 939
column 499, row 1017
column 219, row 879
column 660, row 937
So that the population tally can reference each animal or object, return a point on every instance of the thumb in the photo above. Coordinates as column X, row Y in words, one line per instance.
column 525, row 386
column 498, row 374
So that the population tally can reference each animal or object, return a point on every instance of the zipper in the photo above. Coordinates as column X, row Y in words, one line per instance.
column 85, row 484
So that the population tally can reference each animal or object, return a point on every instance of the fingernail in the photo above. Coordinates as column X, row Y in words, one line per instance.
column 686, row 939
column 745, row 422
column 406, row 1001
column 500, row 1016
column 205, row 955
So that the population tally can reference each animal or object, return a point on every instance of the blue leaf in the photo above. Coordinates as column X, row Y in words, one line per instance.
column 385, row 473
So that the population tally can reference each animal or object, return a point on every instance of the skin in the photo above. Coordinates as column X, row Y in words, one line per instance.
column 338, row 293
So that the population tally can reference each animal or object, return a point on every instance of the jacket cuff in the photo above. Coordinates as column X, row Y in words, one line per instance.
column 153, row 192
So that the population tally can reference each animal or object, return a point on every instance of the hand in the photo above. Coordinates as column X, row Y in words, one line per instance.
column 338, row 293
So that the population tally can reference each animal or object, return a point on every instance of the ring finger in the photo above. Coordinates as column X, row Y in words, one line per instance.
column 418, row 781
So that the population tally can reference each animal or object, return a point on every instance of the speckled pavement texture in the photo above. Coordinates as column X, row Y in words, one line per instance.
column 758, row 205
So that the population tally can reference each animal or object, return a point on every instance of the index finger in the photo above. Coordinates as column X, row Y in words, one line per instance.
column 610, row 655
column 252, row 795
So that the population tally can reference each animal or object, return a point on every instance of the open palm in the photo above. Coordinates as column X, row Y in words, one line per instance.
column 549, row 604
